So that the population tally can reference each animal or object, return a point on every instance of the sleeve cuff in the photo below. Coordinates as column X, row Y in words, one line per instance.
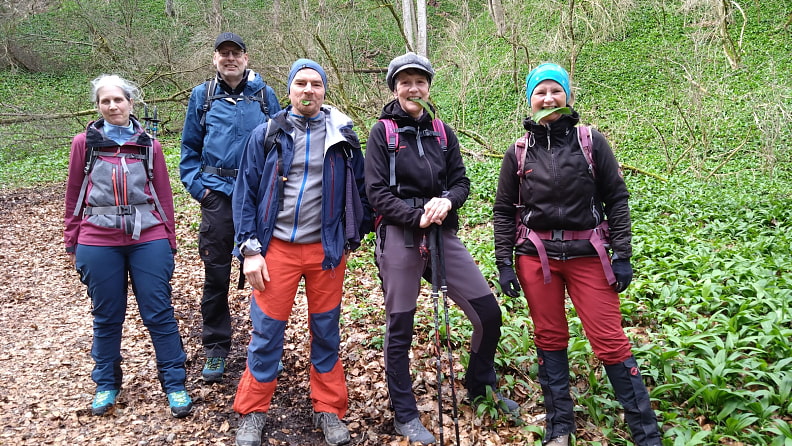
column 251, row 247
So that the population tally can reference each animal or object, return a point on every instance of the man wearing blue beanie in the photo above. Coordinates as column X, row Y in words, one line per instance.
column 300, row 64
column 299, row 207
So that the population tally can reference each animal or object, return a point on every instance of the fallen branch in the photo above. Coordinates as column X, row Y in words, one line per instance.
column 15, row 118
column 641, row 171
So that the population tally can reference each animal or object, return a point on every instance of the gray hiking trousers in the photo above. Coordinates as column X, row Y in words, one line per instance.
column 400, row 270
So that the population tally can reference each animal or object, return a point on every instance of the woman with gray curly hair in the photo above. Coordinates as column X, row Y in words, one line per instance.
column 119, row 226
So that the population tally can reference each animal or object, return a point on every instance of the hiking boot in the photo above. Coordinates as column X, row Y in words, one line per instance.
column 561, row 440
column 414, row 430
column 180, row 403
column 213, row 369
column 335, row 431
column 103, row 401
column 507, row 406
column 250, row 429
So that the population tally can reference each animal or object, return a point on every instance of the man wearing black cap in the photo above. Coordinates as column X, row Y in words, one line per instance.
column 220, row 115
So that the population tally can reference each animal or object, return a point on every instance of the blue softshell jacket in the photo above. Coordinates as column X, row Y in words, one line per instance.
column 221, row 142
column 255, row 199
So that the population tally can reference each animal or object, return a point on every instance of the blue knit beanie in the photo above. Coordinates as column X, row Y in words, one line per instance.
column 544, row 72
column 298, row 65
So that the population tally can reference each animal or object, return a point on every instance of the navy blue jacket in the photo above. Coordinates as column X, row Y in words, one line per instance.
column 255, row 200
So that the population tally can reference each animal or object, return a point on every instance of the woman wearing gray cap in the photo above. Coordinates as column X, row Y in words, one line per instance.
column 419, row 183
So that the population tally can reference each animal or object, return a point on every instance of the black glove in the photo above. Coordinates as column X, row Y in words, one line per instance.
column 623, row 272
column 509, row 284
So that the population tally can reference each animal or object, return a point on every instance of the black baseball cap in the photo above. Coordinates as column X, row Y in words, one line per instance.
column 229, row 37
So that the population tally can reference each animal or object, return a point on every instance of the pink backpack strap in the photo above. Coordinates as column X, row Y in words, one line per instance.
column 519, row 151
column 586, row 143
column 392, row 138
column 600, row 238
column 439, row 128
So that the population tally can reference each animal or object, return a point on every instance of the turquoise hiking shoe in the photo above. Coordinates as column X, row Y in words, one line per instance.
column 213, row 369
column 103, row 401
column 180, row 403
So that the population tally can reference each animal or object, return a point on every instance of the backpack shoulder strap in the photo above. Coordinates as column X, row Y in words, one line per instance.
column 272, row 140
column 585, row 141
column 519, row 151
column 261, row 98
column 439, row 128
column 90, row 158
column 210, row 86
column 392, row 138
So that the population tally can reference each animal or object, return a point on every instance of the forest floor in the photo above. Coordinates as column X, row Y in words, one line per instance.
column 45, row 362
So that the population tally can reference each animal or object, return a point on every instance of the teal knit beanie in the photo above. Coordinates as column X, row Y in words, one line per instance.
column 544, row 72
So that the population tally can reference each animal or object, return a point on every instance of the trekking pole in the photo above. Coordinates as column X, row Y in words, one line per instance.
column 151, row 121
column 438, row 346
column 441, row 274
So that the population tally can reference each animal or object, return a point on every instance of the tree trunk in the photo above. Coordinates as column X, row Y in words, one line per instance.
column 409, row 22
column 420, row 22
column 498, row 16
column 216, row 20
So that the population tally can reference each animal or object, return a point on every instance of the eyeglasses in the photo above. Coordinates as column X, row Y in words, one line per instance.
column 236, row 54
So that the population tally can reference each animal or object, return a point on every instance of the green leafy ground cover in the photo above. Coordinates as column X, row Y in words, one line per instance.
column 709, row 310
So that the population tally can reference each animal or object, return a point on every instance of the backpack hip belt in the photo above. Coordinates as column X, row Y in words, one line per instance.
column 598, row 237
column 135, row 210
column 220, row 171
column 416, row 202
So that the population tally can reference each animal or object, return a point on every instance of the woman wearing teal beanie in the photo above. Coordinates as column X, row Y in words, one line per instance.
column 562, row 219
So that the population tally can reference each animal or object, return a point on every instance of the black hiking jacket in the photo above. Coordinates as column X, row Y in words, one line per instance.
column 435, row 174
column 558, row 192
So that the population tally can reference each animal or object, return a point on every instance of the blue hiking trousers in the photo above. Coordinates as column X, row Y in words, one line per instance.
column 149, row 266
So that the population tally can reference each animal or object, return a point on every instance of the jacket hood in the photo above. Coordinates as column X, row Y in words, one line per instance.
column 95, row 137
column 564, row 122
column 392, row 110
column 254, row 81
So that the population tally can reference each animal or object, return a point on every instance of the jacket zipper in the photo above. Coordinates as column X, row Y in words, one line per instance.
column 426, row 158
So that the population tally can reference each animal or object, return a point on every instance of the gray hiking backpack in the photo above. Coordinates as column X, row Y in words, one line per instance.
column 117, row 197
